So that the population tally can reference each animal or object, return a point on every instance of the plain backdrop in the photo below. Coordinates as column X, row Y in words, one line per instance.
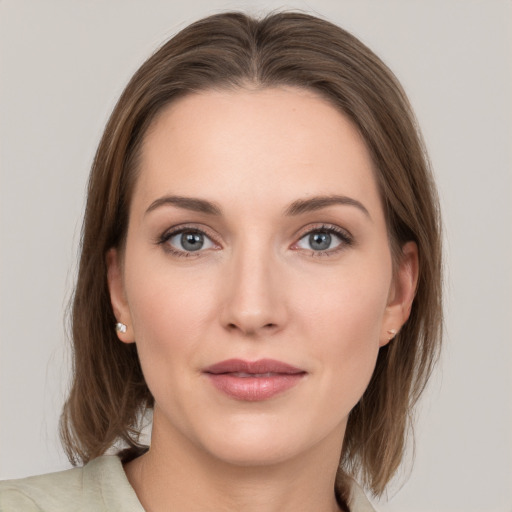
column 63, row 64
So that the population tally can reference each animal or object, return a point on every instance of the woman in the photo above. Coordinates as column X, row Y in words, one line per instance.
column 260, row 267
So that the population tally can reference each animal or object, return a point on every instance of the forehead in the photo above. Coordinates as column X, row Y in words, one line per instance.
column 279, row 142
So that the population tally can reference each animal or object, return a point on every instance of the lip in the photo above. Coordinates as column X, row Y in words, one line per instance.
column 253, row 380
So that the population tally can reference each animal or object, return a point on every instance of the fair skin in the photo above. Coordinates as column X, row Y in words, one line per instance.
column 285, row 257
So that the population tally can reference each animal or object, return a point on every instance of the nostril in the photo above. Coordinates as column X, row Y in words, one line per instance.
column 251, row 330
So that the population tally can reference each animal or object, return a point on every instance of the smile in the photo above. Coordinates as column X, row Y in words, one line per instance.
column 253, row 381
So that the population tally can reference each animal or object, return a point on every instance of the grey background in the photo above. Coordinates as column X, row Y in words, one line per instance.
column 62, row 66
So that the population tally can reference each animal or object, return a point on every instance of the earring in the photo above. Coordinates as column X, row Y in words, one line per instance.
column 120, row 327
column 392, row 334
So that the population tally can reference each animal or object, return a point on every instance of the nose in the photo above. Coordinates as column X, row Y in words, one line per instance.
column 254, row 302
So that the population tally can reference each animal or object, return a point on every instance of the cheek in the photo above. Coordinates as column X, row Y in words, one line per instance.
column 163, row 298
column 344, row 322
column 351, row 302
column 168, row 309
column 167, row 324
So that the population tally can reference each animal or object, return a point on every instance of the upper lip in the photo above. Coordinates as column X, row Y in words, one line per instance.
column 261, row 366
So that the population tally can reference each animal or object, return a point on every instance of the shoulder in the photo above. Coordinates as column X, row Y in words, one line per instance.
column 43, row 492
column 101, row 484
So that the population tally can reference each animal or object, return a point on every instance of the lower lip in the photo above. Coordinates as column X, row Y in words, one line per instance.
column 253, row 389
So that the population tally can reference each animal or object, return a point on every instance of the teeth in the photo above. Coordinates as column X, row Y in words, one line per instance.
column 245, row 375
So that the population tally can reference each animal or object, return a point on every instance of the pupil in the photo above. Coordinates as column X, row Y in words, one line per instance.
column 192, row 241
column 320, row 241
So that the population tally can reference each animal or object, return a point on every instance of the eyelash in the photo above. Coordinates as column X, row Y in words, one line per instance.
column 164, row 239
column 344, row 236
column 346, row 239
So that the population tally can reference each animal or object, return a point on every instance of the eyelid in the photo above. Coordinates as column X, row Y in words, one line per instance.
column 346, row 238
column 324, row 226
column 183, row 228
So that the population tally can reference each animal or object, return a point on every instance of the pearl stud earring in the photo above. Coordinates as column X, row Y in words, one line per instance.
column 120, row 327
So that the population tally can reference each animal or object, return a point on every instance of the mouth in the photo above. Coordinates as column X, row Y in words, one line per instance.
column 253, row 380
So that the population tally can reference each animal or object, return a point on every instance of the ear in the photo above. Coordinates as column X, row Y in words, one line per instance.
column 117, row 295
column 401, row 293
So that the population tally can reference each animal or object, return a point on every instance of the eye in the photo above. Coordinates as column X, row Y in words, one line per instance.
column 324, row 240
column 187, row 241
column 319, row 241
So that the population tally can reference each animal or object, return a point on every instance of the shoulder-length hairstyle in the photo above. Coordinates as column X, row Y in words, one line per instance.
column 233, row 51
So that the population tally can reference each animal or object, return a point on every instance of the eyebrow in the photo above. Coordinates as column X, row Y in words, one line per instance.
column 187, row 203
column 298, row 207
column 318, row 202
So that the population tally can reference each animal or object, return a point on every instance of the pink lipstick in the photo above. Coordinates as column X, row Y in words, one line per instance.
column 253, row 380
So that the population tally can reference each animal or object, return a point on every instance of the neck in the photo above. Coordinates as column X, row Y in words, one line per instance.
column 177, row 475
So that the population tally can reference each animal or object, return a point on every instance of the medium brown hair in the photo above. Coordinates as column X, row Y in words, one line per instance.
column 232, row 50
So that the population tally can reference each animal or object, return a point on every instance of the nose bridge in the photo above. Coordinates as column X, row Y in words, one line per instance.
column 254, row 298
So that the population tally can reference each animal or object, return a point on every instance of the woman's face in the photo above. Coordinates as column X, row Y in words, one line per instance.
column 257, row 278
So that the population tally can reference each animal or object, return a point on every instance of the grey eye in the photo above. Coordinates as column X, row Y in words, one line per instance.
column 320, row 240
column 190, row 241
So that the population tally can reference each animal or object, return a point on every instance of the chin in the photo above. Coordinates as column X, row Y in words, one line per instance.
column 264, row 441
column 256, row 452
